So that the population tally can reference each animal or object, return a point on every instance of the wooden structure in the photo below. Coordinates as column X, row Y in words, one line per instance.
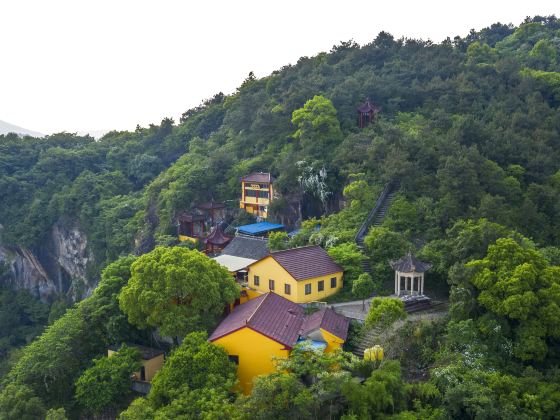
column 367, row 113
column 256, row 193
column 215, row 211
column 216, row 240
column 190, row 227
column 409, row 275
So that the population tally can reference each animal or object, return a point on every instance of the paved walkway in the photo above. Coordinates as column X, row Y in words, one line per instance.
column 352, row 309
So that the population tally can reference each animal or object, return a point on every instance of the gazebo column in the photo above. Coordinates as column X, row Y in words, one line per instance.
column 396, row 285
column 422, row 284
column 412, row 285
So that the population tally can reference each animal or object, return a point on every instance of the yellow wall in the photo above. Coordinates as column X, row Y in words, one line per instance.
column 255, row 352
column 252, row 201
column 268, row 268
column 183, row 238
column 333, row 342
column 151, row 366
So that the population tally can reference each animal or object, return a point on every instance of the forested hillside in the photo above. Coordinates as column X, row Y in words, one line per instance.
column 470, row 127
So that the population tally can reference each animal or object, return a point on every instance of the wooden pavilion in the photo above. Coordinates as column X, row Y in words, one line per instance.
column 367, row 113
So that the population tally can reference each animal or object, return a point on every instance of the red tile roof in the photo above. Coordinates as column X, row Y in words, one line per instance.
column 306, row 262
column 328, row 320
column 258, row 177
column 269, row 314
column 280, row 319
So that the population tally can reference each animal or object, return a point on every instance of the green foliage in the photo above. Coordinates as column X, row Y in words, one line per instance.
column 56, row 414
column 195, row 364
column 383, row 245
column 54, row 361
column 139, row 409
column 363, row 287
column 518, row 286
column 277, row 241
column 22, row 318
column 349, row 257
column 278, row 396
column 108, row 381
column 18, row 402
column 384, row 312
column 318, row 129
column 177, row 290
column 382, row 393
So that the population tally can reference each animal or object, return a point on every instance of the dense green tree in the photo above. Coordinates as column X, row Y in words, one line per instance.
column 318, row 129
column 384, row 312
column 383, row 245
column 177, row 290
column 349, row 257
column 279, row 396
column 19, row 402
column 363, row 287
column 195, row 364
column 518, row 286
column 108, row 381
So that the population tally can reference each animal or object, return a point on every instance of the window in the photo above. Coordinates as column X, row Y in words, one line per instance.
column 271, row 284
column 287, row 289
column 256, row 280
column 234, row 359
column 263, row 194
column 308, row 289
column 333, row 282
column 250, row 193
column 321, row 285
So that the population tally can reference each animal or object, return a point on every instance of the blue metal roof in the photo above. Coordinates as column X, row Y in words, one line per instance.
column 261, row 227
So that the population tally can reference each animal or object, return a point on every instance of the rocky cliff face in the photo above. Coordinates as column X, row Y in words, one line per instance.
column 56, row 268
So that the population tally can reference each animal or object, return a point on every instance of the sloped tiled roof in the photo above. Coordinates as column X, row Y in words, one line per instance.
column 306, row 262
column 258, row 177
column 244, row 247
column 328, row 320
column 368, row 107
column 217, row 236
column 409, row 263
column 269, row 314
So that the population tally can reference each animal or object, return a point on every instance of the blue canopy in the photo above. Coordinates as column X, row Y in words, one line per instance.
column 259, row 228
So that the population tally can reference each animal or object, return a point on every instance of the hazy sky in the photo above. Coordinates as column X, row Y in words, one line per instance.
column 92, row 65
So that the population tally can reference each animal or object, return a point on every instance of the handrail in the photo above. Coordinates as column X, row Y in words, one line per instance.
column 365, row 225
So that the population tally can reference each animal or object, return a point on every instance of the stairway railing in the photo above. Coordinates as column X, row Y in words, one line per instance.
column 362, row 232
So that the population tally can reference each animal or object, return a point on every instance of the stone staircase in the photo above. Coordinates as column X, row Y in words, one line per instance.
column 369, row 339
column 376, row 217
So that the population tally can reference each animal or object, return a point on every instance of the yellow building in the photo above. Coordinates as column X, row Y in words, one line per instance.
column 151, row 360
column 302, row 275
column 256, row 193
column 268, row 327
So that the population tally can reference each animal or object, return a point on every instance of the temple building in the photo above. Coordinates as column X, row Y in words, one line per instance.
column 367, row 113
column 256, row 193
column 409, row 275
column 301, row 275
column 270, row 326
column 190, row 227
column 216, row 240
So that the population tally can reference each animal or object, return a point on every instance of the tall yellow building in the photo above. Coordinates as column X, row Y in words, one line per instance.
column 256, row 193
column 268, row 327
column 301, row 275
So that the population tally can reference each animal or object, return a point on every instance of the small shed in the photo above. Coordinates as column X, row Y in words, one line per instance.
column 409, row 275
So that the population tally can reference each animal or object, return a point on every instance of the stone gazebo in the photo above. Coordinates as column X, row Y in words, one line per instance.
column 409, row 275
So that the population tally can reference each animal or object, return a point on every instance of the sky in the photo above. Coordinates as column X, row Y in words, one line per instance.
column 82, row 65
